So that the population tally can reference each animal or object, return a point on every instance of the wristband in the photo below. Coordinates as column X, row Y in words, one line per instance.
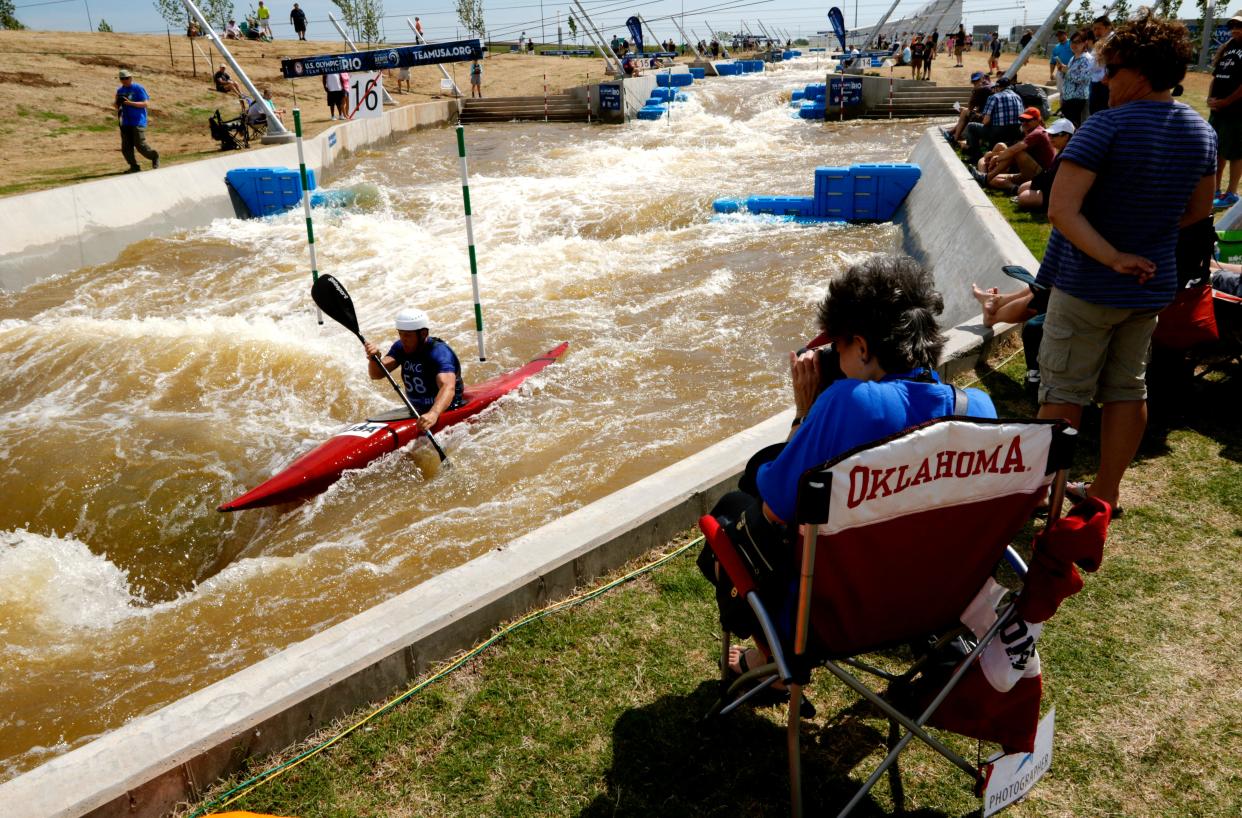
column 796, row 422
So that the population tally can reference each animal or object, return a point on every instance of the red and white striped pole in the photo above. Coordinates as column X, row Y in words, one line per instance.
column 588, row 87
column 890, row 90
column 545, row 97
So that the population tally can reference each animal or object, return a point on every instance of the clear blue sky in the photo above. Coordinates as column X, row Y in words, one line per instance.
column 507, row 18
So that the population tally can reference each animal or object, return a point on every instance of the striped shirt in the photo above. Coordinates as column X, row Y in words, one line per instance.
column 1004, row 106
column 1148, row 157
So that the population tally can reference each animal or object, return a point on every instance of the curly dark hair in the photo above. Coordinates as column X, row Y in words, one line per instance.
column 892, row 302
column 1159, row 49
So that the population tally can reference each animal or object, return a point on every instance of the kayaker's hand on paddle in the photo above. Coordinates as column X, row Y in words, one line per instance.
column 428, row 419
column 371, row 349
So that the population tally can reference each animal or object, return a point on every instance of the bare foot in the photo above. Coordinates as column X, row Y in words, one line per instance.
column 743, row 659
column 989, row 300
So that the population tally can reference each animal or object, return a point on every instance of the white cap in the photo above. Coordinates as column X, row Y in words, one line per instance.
column 412, row 318
column 1062, row 125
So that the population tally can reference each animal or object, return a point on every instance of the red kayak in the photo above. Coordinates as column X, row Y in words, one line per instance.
column 357, row 445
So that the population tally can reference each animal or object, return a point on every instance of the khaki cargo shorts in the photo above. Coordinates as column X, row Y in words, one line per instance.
column 1092, row 353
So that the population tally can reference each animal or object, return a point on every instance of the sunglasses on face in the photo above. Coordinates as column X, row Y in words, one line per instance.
column 1111, row 69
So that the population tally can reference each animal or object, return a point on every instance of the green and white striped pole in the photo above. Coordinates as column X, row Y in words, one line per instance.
column 474, row 264
column 310, row 227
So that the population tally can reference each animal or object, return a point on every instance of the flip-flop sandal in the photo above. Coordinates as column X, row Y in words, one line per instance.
column 1076, row 491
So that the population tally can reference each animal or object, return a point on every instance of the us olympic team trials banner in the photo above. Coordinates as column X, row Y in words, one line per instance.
column 406, row 56
column 838, row 25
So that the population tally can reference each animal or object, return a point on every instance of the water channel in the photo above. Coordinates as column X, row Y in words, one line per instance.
column 137, row 395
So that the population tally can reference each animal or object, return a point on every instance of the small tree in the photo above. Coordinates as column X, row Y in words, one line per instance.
column 8, row 17
column 1166, row 8
column 470, row 13
column 1121, row 12
column 104, row 28
column 573, row 28
column 174, row 12
column 1083, row 15
column 363, row 17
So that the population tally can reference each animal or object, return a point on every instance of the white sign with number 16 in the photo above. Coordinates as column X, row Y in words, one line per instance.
column 366, row 95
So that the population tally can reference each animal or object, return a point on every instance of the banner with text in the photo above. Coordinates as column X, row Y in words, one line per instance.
column 636, row 33
column 410, row 56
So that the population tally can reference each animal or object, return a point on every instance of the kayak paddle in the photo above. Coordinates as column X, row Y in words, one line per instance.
column 331, row 297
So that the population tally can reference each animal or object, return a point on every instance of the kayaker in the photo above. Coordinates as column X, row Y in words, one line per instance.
column 429, row 367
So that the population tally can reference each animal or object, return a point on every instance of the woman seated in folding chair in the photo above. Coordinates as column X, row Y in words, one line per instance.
column 257, row 112
column 880, row 316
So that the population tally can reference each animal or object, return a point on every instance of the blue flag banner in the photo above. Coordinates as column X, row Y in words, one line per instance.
column 838, row 24
column 636, row 33
column 406, row 56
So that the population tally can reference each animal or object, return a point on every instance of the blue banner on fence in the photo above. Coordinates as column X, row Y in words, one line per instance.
column 838, row 24
column 380, row 59
column 849, row 87
column 636, row 33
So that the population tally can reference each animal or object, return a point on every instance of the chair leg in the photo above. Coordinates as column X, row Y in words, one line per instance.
column 894, row 773
column 795, row 750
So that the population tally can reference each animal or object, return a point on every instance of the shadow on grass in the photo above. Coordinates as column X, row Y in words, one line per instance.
column 668, row 760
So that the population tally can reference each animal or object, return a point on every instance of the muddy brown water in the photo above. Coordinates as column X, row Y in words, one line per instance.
column 138, row 395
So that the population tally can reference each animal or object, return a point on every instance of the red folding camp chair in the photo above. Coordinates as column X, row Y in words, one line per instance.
column 900, row 538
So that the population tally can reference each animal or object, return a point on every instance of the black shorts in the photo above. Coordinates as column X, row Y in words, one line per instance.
column 336, row 99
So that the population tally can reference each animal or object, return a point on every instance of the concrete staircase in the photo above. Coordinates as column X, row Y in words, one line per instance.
column 560, row 108
column 928, row 101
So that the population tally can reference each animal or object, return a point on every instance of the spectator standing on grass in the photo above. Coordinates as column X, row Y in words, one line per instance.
column 1102, row 31
column 916, row 57
column 1076, row 79
column 1129, row 179
column 298, row 18
column 335, row 91
column 132, row 102
column 1060, row 55
column 265, row 20
column 418, row 31
column 994, row 58
column 959, row 44
column 476, row 80
column 1225, row 102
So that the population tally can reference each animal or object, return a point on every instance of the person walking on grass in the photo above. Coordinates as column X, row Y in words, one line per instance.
column 298, row 18
column 132, row 101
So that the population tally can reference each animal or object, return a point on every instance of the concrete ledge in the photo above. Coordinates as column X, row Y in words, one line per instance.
column 54, row 231
column 147, row 766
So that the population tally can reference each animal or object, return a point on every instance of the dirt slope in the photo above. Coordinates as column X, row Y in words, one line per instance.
column 57, row 124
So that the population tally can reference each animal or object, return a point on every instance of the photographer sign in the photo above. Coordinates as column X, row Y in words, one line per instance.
column 1011, row 777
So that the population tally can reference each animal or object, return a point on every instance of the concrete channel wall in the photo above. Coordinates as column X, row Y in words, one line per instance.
column 144, row 768
column 54, row 231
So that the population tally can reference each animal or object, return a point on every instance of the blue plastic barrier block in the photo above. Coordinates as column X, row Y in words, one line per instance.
column 662, row 79
column 661, row 94
column 682, row 80
column 651, row 112
column 834, row 193
column 698, row 73
column 797, row 95
column 726, row 205
column 816, row 90
column 798, row 206
column 268, row 191
column 880, row 189
column 812, row 110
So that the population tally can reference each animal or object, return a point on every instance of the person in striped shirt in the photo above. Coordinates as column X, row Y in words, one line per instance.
column 1133, row 174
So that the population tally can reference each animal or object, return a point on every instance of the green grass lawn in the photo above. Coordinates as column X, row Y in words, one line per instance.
column 597, row 710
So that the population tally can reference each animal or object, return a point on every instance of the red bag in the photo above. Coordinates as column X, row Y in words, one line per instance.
column 1189, row 321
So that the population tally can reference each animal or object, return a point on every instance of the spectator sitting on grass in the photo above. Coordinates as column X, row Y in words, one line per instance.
column 1133, row 174
column 1033, row 195
column 1007, row 166
column 231, row 31
column 973, row 111
column 999, row 122
column 224, row 83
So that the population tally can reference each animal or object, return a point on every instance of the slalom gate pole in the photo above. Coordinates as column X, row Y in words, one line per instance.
column 310, row 226
column 474, row 264
column 545, row 102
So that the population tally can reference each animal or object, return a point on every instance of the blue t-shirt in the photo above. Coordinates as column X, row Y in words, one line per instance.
column 418, row 372
column 850, row 413
column 131, row 116
column 1148, row 157
column 1061, row 52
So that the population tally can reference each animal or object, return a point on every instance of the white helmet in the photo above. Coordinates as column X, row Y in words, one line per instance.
column 412, row 318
